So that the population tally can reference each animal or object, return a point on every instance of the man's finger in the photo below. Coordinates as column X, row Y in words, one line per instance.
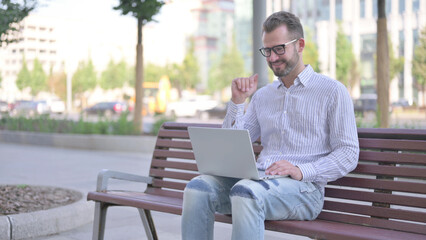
column 253, row 80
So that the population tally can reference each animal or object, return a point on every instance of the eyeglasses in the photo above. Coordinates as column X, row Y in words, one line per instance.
column 279, row 49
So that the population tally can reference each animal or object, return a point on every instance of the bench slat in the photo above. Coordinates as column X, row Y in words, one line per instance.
column 173, row 134
column 376, row 197
column 411, row 187
column 373, row 222
column 391, row 144
column 167, row 143
column 168, row 184
column 171, row 174
column 173, row 154
column 392, row 157
column 391, row 171
column 174, row 164
column 376, row 211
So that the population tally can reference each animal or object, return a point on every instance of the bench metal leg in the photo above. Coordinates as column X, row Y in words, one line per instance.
column 99, row 221
column 148, row 224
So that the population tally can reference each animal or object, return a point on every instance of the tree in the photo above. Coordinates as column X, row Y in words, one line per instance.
column 382, row 66
column 115, row 75
column 38, row 81
column 143, row 11
column 419, row 64
column 190, row 70
column 153, row 72
column 84, row 78
column 344, row 58
column 11, row 13
column 57, row 83
column 230, row 66
column 24, row 76
column 310, row 53
column 396, row 64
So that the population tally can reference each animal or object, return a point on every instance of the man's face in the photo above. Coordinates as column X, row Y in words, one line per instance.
column 281, row 65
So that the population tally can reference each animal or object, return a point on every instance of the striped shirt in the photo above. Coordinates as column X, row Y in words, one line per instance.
column 311, row 125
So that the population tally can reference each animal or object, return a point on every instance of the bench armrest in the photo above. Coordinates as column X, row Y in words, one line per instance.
column 105, row 175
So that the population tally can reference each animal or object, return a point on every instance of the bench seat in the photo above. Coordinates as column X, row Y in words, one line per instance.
column 383, row 198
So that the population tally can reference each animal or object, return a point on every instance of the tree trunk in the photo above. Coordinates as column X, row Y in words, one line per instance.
column 137, row 119
column 382, row 66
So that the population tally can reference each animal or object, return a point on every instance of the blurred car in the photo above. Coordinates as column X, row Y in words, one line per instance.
column 30, row 108
column 57, row 106
column 401, row 103
column 106, row 109
column 217, row 112
column 366, row 103
column 4, row 107
column 190, row 107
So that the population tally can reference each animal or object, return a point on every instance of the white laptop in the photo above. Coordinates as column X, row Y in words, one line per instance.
column 225, row 152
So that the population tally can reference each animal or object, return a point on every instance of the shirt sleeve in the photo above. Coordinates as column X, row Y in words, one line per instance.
column 343, row 141
column 236, row 118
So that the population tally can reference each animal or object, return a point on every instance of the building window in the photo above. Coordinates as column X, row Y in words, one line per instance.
column 42, row 51
column 416, row 5
column 401, row 43
column 339, row 11
column 375, row 9
column 401, row 6
column 323, row 10
column 388, row 7
column 362, row 9
column 52, row 52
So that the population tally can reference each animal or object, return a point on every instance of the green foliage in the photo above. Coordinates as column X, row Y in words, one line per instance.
column 38, row 81
column 84, row 78
column 396, row 65
column 230, row 66
column 144, row 10
column 160, row 119
column 43, row 123
column 58, row 84
column 344, row 57
column 153, row 72
column 419, row 61
column 115, row 75
column 189, row 72
column 11, row 13
column 24, row 76
column 310, row 53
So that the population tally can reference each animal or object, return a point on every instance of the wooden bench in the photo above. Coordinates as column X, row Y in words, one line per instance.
column 383, row 198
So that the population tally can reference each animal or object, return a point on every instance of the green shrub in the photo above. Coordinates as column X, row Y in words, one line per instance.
column 121, row 126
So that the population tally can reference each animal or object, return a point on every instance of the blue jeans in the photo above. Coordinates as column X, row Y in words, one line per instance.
column 250, row 202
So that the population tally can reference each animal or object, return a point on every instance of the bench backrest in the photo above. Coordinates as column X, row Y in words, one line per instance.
column 386, row 190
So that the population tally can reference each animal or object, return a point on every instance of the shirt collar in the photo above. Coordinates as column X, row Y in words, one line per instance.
column 303, row 77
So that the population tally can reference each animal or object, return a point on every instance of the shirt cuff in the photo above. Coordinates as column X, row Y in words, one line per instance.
column 235, row 109
column 308, row 171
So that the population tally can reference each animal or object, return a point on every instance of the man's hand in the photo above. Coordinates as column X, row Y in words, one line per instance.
column 242, row 88
column 284, row 167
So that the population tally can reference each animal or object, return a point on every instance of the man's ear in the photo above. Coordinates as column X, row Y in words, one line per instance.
column 301, row 42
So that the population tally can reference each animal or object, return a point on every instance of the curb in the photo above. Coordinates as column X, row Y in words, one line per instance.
column 80, row 141
column 46, row 222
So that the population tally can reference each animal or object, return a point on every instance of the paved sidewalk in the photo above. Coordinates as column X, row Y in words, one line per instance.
column 77, row 169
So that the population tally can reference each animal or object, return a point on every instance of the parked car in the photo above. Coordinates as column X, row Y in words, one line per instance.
column 366, row 103
column 4, row 107
column 57, row 106
column 30, row 108
column 217, row 112
column 190, row 107
column 106, row 109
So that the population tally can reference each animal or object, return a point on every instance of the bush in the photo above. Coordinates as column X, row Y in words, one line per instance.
column 121, row 126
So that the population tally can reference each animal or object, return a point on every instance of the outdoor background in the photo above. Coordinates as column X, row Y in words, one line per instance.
column 72, row 54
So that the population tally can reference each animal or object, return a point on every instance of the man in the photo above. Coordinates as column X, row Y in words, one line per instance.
column 307, row 126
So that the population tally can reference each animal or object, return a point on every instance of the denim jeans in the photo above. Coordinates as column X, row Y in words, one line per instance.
column 250, row 202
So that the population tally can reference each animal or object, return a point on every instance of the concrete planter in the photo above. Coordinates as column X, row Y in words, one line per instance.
column 81, row 141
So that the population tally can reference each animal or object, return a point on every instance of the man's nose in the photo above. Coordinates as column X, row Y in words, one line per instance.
column 273, row 57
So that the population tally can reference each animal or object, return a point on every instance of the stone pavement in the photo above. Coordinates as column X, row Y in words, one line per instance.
column 77, row 169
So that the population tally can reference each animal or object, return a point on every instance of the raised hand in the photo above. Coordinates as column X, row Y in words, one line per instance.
column 242, row 88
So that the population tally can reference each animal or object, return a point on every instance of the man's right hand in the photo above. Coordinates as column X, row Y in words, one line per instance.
column 242, row 88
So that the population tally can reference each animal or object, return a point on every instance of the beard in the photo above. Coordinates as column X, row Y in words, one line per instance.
column 289, row 65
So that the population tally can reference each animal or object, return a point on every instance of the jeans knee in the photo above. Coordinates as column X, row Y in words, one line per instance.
column 198, row 184
column 244, row 191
